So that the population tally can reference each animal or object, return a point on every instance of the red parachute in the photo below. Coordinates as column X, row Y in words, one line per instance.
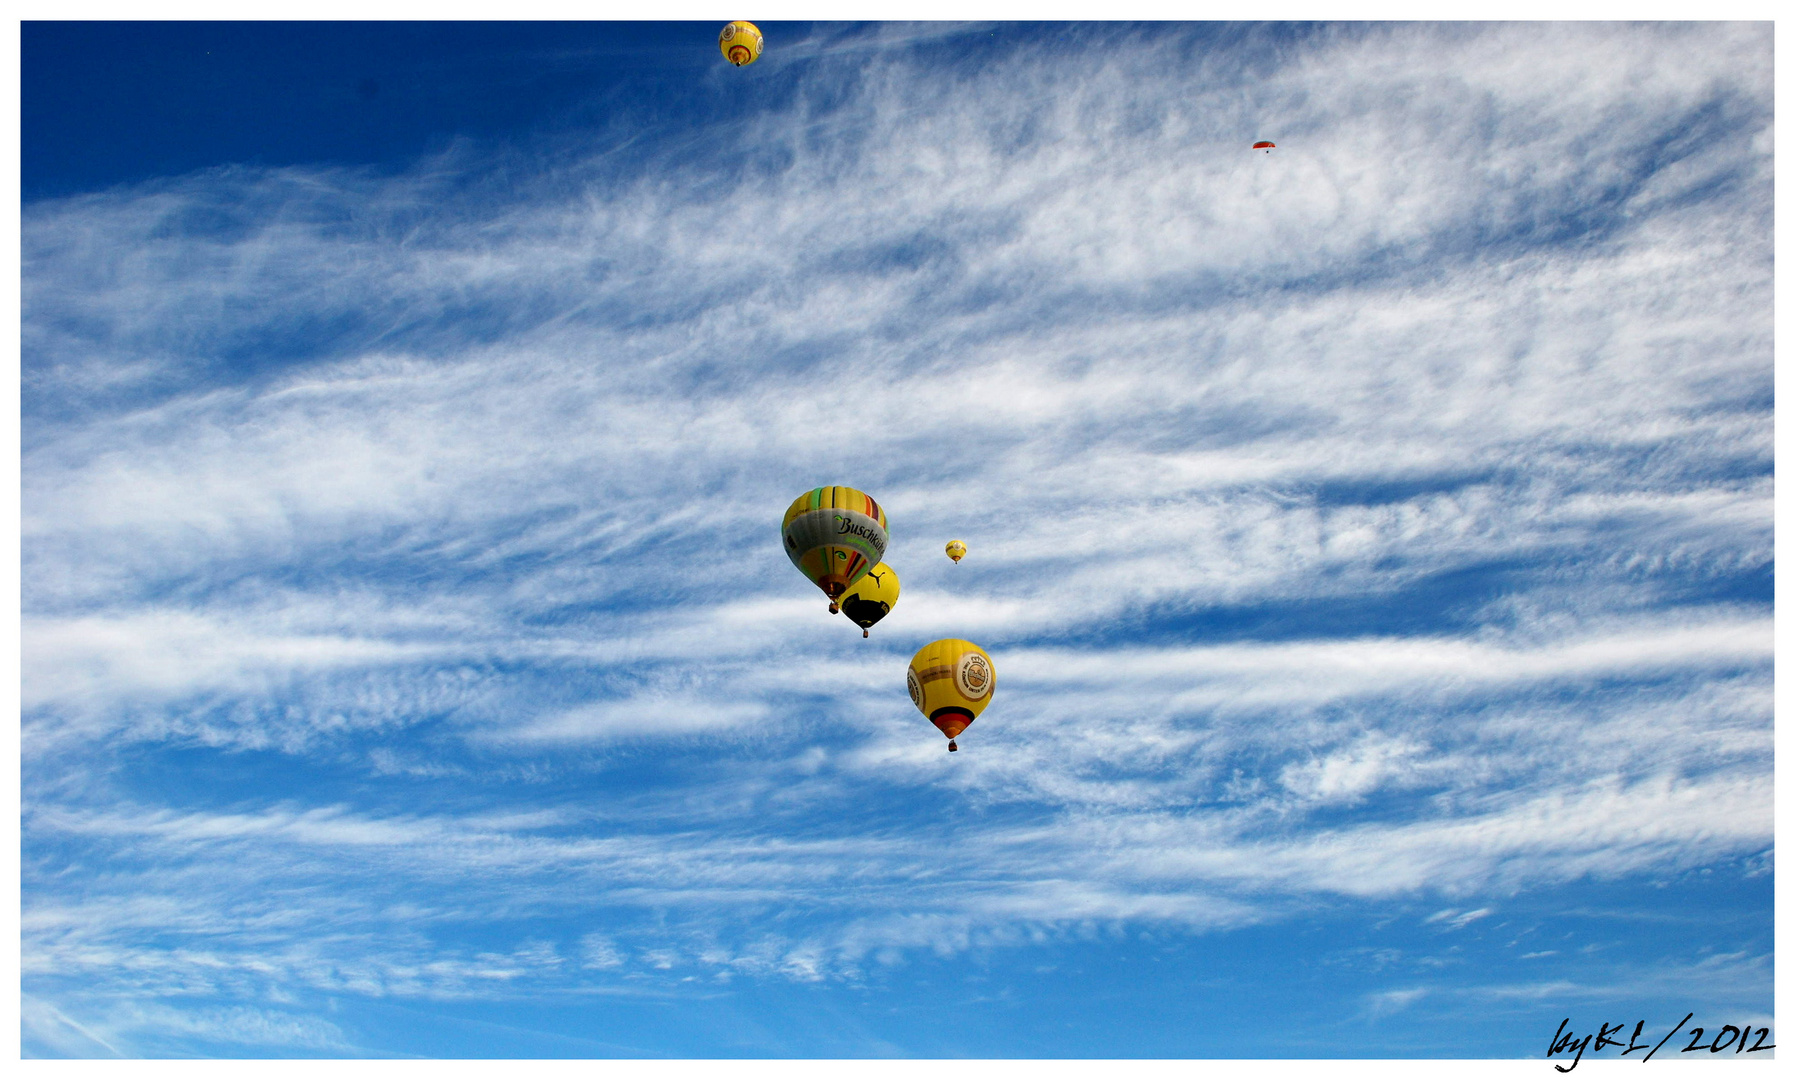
column 1265, row 146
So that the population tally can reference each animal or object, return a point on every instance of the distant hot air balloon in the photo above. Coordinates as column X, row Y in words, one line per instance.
column 956, row 550
column 871, row 598
column 1268, row 147
column 740, row 42
column 834, row 535
column 951, row 681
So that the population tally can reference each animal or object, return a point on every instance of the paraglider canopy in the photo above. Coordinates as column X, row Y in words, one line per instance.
column 1265, row 146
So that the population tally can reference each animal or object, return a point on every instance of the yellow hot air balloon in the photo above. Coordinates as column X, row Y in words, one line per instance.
column 740, row 42
column 834, row 535
column 956, row 550
column 951, row 681
column 871, row 598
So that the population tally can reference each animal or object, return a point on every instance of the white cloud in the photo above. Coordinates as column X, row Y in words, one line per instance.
column 654, row 715
column 150, row 1029
column 1309, row 671
column 1346, row 775
column 1386, row 1002
column 1207, row 871
column 46, row 1032
column 1458, row 920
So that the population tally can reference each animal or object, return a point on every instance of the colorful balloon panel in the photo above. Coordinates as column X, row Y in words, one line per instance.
column 834, row 535
column 951, row 681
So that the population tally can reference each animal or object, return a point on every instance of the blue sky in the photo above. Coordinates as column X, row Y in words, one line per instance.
column 1373, row 539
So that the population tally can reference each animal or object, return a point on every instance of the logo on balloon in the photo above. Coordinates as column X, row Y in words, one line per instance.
column 974, row 675
column 729, row 32
column 847, row 525
column 915, row 687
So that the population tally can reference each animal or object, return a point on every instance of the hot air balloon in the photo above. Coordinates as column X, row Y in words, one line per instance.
column 834, row 535
column 1268, row 147
column 956, row 550
column 740, row 42
column 871, row 598
column 951, row 681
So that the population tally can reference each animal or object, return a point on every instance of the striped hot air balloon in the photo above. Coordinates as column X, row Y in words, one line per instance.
column 834, row 535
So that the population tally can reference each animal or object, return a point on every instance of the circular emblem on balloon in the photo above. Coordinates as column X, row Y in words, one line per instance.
column 915, row 688
column 729, row 32
column 973, row 675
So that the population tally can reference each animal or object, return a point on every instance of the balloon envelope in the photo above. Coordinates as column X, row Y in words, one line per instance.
column 740, row 42
column 871, row 598
column 951, row 681
column 834, row 535
column 956, row 550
